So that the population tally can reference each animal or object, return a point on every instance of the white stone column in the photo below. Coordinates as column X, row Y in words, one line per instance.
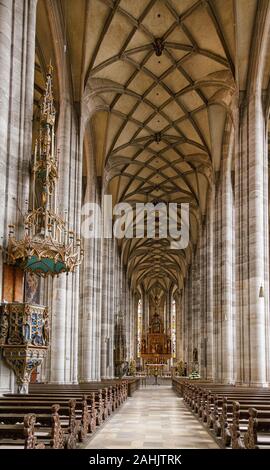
column 145, row 310
column 168, row 311
column 104, row 306
column 133, row 327
column 129, row 322
column 185, row 320
column 205, row 307
column 113, row 255
column 178, row 324
column 227, row 264
column 97, row 304
column 196, row 301
column 90, row 290
column 65, row 298
column 135, row 298
column 251, row 203
column 189, row 321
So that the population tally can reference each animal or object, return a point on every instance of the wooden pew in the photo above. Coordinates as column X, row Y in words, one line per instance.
column 31, row 436
column 112, row 396
column 85, row 407
column 20, row 435
column 229, row 412
column 51, row 419
column 80, row 408
column 257, row 433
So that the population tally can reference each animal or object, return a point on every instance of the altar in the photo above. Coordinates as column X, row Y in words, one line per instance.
column 155, row 347
column 155, row 370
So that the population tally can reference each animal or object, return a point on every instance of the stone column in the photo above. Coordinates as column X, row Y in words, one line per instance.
column 65, row 299
column 208, row 287
column 97, row 306
column 185, row 319
column 17, row 59
column 168, row 311
column 132, row 325
column 90, row 289
column 251, row 205
column 104, row 307
column 179, row 327
column 189, row 321
column 145, row 310
column 196, row 302
column 113, row 254
column 227, row 264
column 129, row 312
column 204, row 288
column 108, row 295
column 135, row 309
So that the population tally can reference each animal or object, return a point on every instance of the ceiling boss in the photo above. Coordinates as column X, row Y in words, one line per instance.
column 48, row 247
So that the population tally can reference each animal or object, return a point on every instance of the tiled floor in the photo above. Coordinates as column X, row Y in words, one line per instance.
column 154, row 418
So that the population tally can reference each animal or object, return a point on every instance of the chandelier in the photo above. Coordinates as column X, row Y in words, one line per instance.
column 48, row 246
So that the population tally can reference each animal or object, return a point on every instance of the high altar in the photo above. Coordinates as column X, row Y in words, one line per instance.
column 156, row 346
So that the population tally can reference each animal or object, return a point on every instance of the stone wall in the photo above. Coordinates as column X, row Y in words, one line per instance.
column 17, row 54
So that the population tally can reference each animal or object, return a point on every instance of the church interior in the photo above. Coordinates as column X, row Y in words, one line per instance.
column 115, row 114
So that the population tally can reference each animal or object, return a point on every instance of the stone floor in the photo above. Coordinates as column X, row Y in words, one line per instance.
column 154, row 418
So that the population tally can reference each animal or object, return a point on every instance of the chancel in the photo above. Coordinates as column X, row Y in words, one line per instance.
column 155, row 346
column 134, row 273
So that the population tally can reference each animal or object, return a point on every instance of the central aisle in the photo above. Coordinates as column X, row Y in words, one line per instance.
column 154, row 418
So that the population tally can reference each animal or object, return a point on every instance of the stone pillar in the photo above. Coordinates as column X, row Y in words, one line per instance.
column 227, row 265
column 251, row 206
column 97, row 308
column 110, row 284
column 90, row 288
column 185, row 320
column 224, row 265
column 179, row 327
column 189, row 321
column 204, row 292
column 113, row 255
column 209, row 279
column 196, row 302
column 88, row 313
column 132, row 325
column 145, row 310
column 124, row 306
column 136, row 298
column 168, row 311
column 65, row 298
column 104, row 307
column 17, row 59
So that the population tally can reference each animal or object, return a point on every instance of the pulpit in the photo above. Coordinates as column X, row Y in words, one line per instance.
column 24, row 339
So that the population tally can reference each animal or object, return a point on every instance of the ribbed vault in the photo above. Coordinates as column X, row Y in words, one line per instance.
column 157, row 68
column 155, row 79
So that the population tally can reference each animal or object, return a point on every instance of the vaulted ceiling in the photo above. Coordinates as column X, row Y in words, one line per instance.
column 158, row 67
column 157, row 79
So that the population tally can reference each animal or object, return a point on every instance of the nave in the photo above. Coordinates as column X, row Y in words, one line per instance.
column 134, row 235
column 153, row 418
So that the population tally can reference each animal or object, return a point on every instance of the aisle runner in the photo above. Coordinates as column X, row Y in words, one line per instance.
column 154, row 418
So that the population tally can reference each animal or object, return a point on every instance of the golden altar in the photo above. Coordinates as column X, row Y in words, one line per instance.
column 155, row 346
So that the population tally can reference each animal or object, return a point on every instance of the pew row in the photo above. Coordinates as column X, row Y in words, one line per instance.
column 237, row 417
column 63, row 415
